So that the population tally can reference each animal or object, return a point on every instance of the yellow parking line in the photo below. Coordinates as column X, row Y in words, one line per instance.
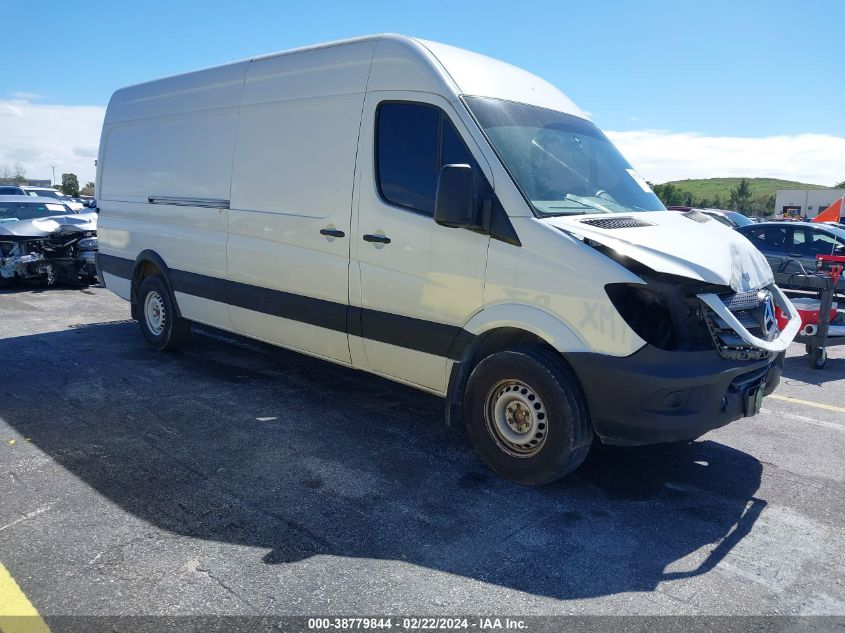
column 17, row 615
column 809, row 403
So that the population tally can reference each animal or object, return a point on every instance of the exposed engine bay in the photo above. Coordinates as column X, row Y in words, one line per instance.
column 59, row 250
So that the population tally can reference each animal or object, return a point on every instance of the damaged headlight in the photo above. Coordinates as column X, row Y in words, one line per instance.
column 645, row 311
column 87, row 244
column 665, row 315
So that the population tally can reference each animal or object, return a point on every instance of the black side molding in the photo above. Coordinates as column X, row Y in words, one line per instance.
column 434, row 338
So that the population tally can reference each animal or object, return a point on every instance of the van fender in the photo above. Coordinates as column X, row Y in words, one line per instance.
column 540, row 323
column 153, row 257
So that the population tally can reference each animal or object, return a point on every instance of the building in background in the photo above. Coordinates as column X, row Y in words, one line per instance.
column 805, row 202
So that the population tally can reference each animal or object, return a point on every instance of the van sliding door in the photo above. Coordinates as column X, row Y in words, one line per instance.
column 289, row 223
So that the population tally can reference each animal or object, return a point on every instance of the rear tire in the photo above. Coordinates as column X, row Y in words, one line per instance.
column 527, row 417
column 160, row 325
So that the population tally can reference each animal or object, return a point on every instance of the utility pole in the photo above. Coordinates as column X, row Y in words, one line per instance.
column 53, row 167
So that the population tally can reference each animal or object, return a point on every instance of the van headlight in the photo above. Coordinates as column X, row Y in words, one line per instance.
column 663, row 313
column 646, row 311
column 87, row 244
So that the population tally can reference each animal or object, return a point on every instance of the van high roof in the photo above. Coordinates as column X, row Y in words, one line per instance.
column 379, row 62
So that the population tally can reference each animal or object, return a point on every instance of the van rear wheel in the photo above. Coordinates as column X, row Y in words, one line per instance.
column 527, row 417
column 160, row 325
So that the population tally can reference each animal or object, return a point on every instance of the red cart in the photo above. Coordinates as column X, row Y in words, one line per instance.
column 820, row 330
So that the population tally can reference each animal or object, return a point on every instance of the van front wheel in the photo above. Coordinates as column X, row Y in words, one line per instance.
column 526, row 416
column 160, row 325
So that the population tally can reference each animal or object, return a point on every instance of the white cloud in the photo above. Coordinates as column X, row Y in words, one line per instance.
column 39, row 136
column 27, row 96
column 660, row 156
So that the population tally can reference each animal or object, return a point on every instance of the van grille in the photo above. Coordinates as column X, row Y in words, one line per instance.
column 742, row 300
column 747, row 307
column 616, row 223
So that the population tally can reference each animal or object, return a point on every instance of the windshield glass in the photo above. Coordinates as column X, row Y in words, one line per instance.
column 563, row 164
column 721, row 218
column 47, row 193
column 836, row 231
column 739, row 219
column 11, row 211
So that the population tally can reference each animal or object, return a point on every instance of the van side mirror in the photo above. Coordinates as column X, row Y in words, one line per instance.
column 454, row 203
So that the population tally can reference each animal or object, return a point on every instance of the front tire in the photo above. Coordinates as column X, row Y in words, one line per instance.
column 160, row 325
column 527, row 416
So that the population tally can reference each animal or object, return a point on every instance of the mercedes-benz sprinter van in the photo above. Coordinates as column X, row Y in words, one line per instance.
column 444, row 220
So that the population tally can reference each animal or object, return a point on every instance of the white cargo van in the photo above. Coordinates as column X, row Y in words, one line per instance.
column 447, row 221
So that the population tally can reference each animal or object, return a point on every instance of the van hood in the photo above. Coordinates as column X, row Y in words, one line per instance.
column 688, row 245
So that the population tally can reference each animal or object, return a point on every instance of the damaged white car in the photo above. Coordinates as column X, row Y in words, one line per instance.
column 41, row 238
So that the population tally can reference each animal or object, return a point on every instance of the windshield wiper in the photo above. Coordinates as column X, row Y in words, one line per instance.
column 588, row 203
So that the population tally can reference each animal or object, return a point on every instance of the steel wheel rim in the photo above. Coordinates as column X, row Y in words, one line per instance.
column 154, row 313
column 516, row 418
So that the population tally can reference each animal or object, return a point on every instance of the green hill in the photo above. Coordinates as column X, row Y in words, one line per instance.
column 710, row 187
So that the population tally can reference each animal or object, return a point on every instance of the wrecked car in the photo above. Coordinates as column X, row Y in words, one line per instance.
column 43, row 239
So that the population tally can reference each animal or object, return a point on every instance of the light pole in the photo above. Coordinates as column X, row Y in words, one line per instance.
column 53, row 167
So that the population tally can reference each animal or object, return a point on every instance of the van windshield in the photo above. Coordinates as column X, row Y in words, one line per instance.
column 563, row 164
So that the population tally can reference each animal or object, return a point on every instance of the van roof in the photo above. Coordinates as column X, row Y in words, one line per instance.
column 397, row 62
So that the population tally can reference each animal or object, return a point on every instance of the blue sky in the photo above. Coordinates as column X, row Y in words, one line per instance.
column 745, row 69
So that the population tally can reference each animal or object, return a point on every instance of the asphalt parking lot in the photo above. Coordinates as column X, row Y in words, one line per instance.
column 234, row 478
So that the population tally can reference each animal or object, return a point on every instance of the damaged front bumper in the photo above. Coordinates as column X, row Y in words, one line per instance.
column 39, row 259
column 726, row 354
column 655, row 395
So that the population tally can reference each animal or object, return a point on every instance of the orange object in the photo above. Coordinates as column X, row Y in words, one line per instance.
column 832, row 213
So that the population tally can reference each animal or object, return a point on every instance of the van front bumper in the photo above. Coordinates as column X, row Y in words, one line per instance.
column 655, row 396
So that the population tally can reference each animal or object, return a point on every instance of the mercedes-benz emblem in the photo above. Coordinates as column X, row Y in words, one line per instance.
column 768, row 321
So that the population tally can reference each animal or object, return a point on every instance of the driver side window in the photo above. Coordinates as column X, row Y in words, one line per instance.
column 413, row 141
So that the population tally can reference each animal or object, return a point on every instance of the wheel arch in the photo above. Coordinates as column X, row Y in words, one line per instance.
column 501, row 327
column 148, row 263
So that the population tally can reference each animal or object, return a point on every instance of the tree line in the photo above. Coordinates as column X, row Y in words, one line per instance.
column 741, row 198
column 70, row 186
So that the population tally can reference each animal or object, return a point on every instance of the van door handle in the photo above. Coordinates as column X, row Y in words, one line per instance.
column 383, row 239
column 332, row 233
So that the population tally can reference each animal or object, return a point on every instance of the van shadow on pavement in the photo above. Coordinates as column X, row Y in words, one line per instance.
column 236, row 442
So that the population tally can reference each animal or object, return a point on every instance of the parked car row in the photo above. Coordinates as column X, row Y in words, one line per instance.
column 728, row 218
column 75, row 204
